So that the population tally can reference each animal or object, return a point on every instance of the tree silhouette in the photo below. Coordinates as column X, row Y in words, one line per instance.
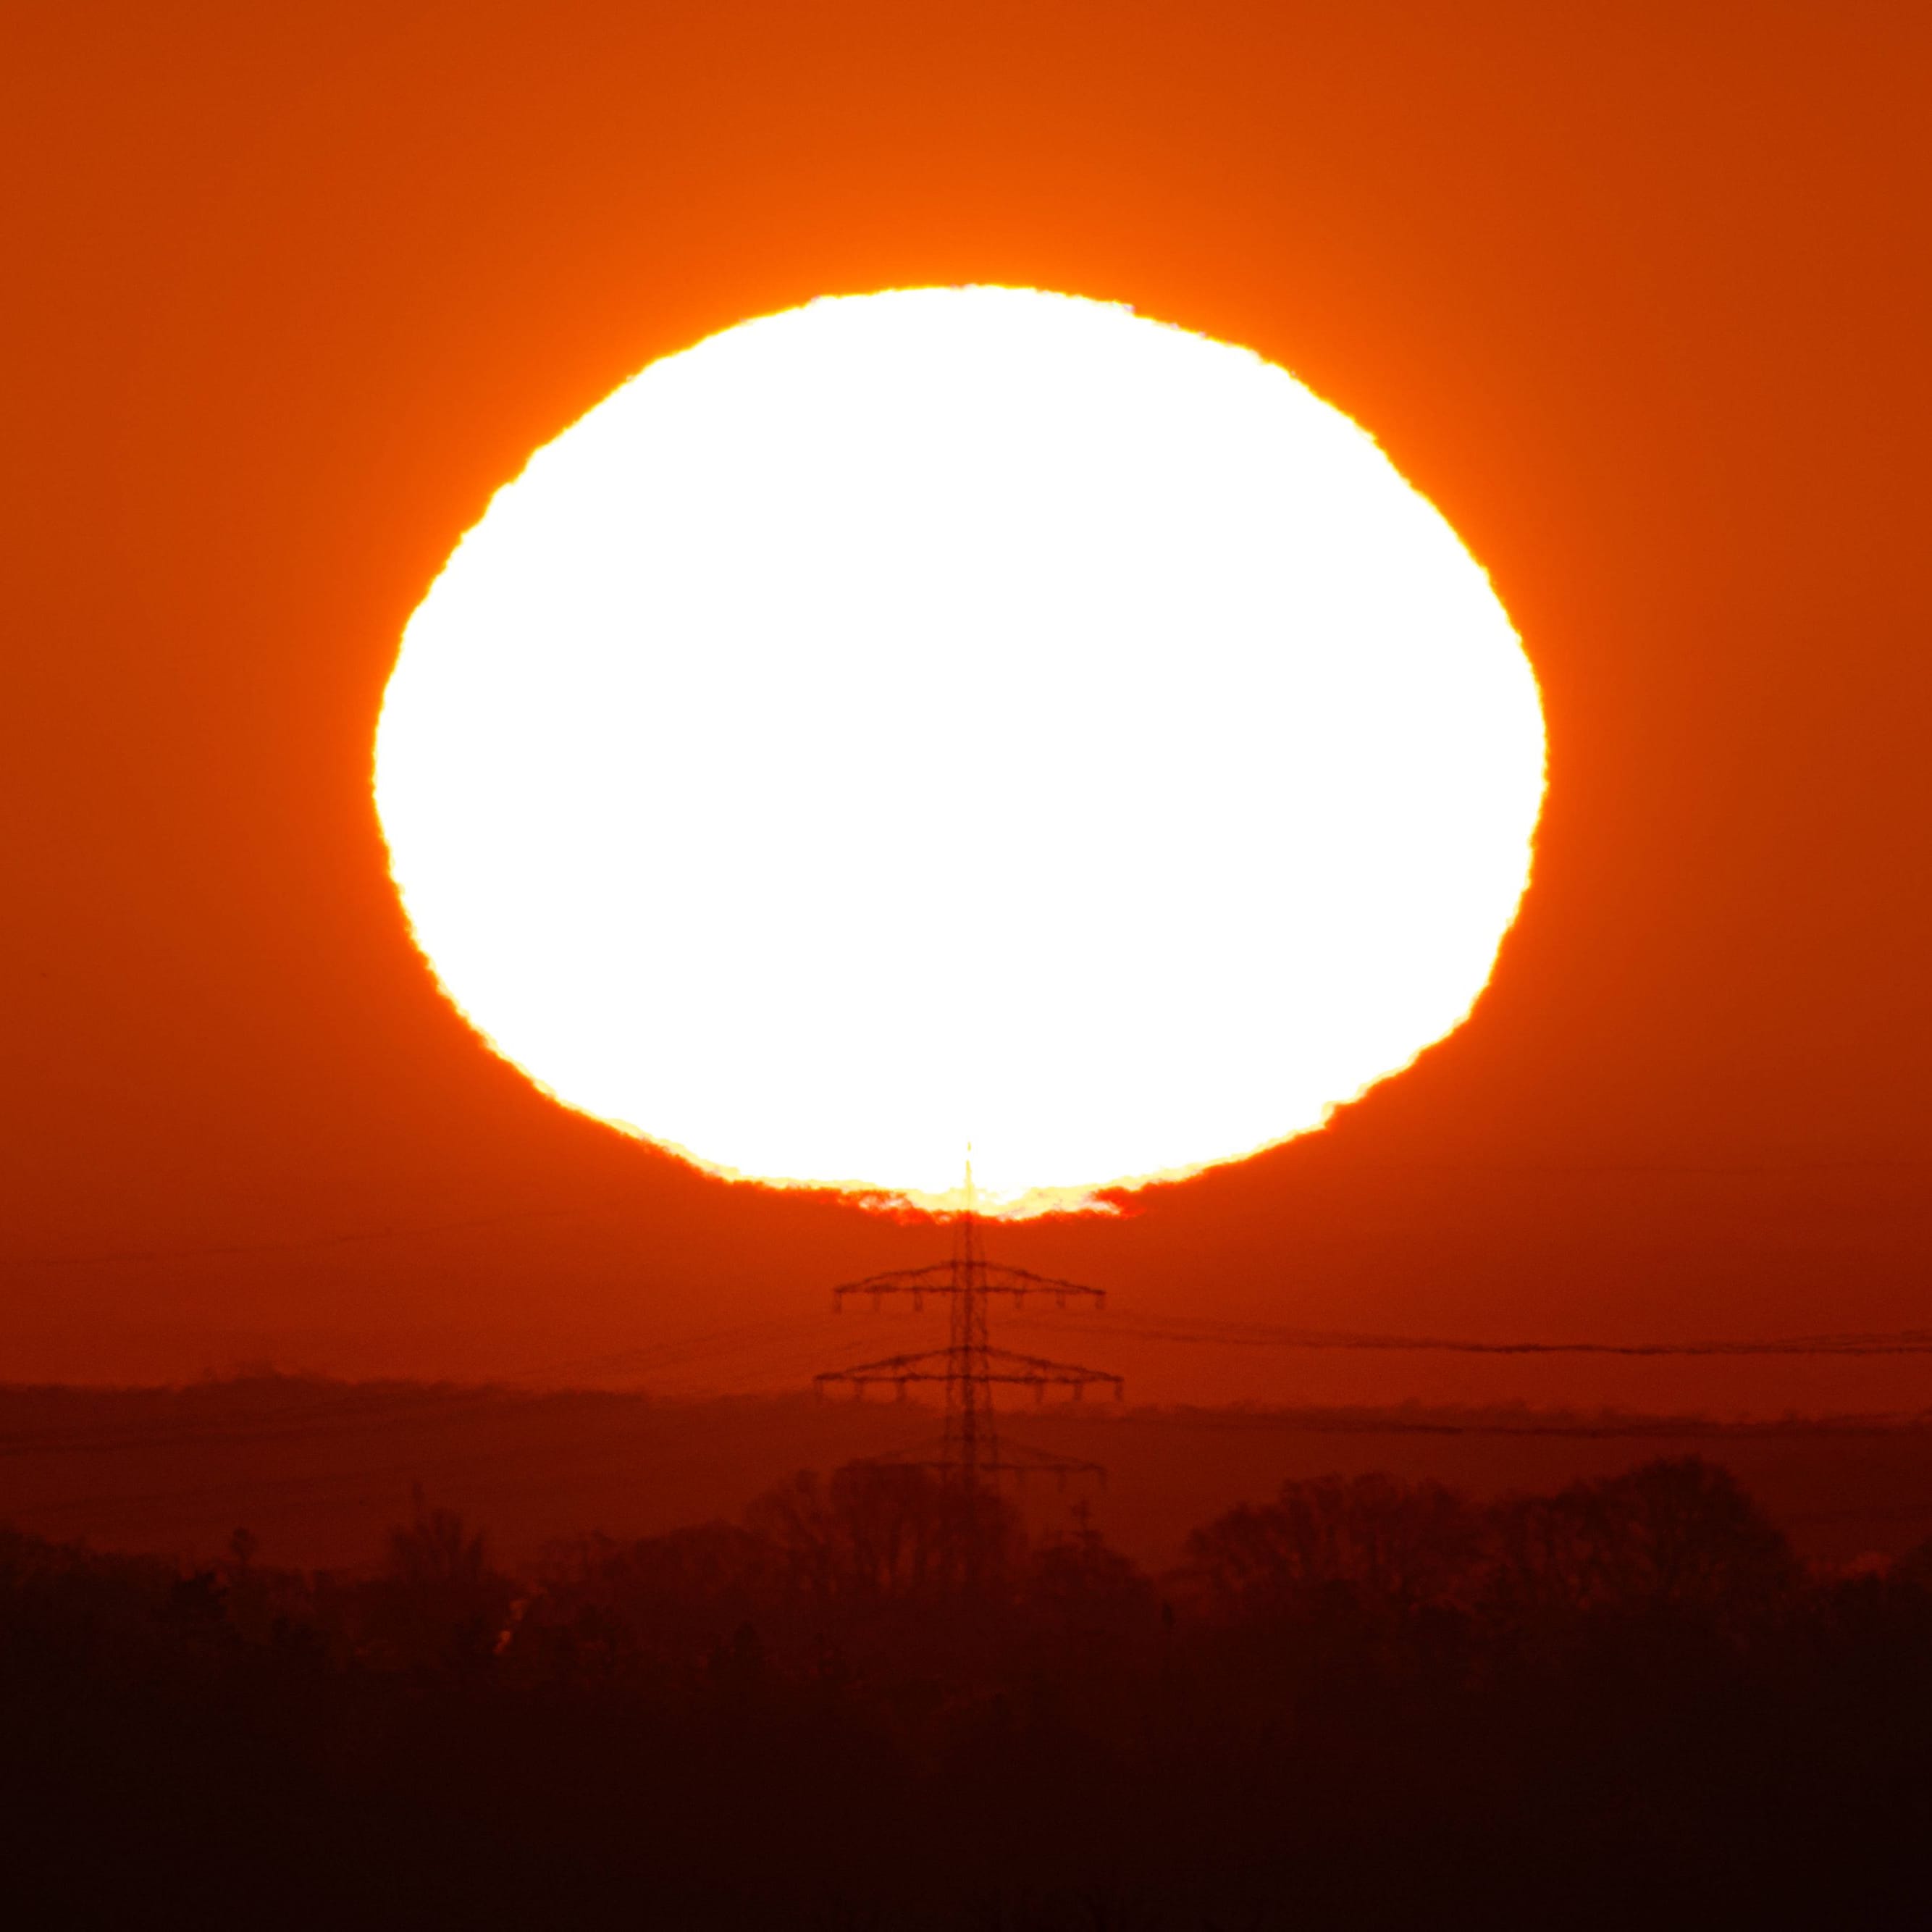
column 1389, row 1544
column 1678, row 1537
column 1913, row 1571
column 604, row 1606
column 883, row 1532
column 438, row 1603
column 1367, row 1702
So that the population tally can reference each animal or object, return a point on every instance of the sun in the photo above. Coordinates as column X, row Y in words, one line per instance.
column 960, row 715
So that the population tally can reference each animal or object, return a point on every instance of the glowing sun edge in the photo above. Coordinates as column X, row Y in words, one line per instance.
column 1090, row 1198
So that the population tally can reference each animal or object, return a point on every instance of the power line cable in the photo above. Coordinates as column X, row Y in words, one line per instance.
column 1156, row 1328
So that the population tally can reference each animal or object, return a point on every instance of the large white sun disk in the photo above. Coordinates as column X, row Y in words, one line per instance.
column 961, row 715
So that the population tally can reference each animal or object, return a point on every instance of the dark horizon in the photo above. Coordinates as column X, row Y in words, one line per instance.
column 316, row 1470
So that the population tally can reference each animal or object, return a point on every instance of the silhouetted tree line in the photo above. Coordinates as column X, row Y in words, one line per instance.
column 876, row 1702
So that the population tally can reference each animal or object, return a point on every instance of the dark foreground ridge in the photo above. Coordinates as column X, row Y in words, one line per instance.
column 873, row 1703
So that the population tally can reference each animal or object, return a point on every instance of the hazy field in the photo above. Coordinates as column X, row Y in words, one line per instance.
column 318, row 1470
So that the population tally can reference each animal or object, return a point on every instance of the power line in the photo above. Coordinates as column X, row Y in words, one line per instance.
column 1901, row 1341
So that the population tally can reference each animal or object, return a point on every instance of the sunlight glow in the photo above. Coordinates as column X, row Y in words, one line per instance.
column 961, row 715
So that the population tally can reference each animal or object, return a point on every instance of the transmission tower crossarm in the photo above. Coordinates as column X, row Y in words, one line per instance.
column 995, row 1365
column 1023, row 1281
column 933, row 1365
column 991, row 1279
column 1006, row 1365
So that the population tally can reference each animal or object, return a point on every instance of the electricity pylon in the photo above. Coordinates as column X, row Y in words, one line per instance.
column 971, row 1453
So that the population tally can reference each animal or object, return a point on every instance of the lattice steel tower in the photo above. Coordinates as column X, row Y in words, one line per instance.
column 971, row 1453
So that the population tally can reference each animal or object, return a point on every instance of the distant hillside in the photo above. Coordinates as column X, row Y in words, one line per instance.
column 318, row 1470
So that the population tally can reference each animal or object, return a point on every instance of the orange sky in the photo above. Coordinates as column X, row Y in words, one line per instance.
column 1640, row 301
